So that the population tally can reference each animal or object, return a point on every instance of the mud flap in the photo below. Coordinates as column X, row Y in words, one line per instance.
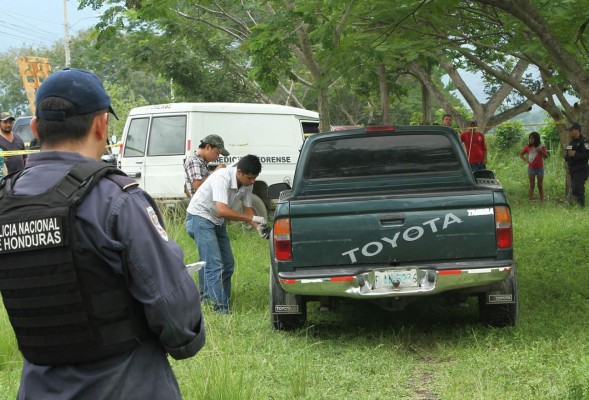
column 503, row 293
column 287, row 311
column 290, row 305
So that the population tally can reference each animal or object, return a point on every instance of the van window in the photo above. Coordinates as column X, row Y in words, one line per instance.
column 310, row 127
column 136, row 138
column 22, row 128
column 168, row 136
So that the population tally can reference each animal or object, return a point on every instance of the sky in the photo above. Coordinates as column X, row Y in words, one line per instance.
column 40, row 23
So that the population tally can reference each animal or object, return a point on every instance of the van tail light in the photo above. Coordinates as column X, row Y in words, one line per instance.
column 503, row 225
column 282, row 241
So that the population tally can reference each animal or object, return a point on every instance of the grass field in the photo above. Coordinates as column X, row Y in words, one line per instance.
column 424, row 352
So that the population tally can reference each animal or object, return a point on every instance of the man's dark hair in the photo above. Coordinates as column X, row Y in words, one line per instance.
column 447, row 115
column 250, row 165
column 74, row 128
column 536, row 136
column 202, row 145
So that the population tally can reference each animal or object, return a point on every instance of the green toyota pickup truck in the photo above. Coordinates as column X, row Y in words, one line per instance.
column 389, row 214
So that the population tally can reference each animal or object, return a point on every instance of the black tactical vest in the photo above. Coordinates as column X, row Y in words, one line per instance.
column 66, row 305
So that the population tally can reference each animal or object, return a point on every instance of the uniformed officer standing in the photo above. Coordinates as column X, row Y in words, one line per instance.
column 576, row 156
column 96, row 291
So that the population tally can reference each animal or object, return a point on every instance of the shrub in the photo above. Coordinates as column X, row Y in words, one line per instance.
column 508, row 135
column 549, row 134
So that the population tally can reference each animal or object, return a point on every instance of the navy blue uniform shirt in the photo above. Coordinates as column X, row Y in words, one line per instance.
column 581, row 148
column 109, row 221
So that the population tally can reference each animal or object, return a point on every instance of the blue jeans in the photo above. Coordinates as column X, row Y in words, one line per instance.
column 188, row 225
column 214, row 248
column 202, row 285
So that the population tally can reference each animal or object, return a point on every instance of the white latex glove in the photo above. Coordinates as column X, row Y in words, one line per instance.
column 263, row 231
column 259, row 220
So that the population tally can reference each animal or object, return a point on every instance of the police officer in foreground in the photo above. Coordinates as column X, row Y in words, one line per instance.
column 576, row 156
column 97, row 293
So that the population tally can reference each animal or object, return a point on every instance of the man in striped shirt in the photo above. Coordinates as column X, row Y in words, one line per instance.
column 196, row 166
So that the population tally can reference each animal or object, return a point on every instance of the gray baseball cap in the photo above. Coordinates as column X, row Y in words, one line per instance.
column 215, row 140
column 5, row 116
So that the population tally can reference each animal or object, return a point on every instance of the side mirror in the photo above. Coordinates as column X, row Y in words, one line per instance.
column 275, row 189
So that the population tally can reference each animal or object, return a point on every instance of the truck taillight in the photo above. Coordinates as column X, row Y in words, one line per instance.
column 503, row 229
column 282, row 242
column 379, row 128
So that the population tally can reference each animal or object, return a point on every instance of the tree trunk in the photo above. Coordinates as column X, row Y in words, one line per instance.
column 426, row 104
column 384, row 93
column 323, row 103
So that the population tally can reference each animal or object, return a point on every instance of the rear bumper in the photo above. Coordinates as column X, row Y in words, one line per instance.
column 429, row 280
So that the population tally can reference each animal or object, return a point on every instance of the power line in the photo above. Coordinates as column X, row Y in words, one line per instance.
column 28, row 17
column 35, row 40
column 27, row 31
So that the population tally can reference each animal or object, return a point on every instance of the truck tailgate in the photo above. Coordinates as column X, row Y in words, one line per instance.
column 377, row 230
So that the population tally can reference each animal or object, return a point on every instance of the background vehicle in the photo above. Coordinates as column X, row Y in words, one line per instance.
column 22, row 128
column 388, row 215
column 158, row 138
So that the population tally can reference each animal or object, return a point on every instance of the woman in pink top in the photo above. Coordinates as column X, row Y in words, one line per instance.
column 534, row 154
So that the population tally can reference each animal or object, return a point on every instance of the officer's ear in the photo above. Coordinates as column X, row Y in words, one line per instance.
column 33, row 124
column 100, row 125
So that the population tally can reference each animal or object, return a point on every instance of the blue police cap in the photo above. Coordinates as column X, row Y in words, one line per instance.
column 81, row 88
column 574, row 125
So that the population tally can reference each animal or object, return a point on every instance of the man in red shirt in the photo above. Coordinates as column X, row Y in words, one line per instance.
column 476, row 149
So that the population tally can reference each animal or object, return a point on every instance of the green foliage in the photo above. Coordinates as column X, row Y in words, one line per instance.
column 549, row 134
column 270, row 55
column 440, row 112
column 123, row 100
column 508, row 135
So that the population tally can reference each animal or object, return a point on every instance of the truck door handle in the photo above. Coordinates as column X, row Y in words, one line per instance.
column 392, row 220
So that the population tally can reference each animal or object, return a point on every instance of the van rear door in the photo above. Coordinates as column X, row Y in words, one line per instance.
column 154, row 153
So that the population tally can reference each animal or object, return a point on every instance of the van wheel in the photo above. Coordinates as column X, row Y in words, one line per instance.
column 285, row 302
column 259, row 209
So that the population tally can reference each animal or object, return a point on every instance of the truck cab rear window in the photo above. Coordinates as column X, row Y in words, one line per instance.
column 363, row 156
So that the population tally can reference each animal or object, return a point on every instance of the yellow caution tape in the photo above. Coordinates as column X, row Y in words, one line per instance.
column 8, row 153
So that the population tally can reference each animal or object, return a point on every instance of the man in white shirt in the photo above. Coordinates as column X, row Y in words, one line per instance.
column 210, row 207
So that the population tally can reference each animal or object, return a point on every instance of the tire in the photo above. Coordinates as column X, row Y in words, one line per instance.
column 278, row 297
column 500, row 315
column 259, row 209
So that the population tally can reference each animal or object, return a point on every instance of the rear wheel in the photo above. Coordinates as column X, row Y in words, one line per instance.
column 287, row 311
column 500, row 315
column 259, row 209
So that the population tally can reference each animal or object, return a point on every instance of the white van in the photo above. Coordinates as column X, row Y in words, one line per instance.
column 158, row 138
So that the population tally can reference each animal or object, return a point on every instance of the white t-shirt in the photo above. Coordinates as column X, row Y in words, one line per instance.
column 220, row 186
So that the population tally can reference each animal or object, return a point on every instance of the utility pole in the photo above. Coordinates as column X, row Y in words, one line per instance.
column 66, row 38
